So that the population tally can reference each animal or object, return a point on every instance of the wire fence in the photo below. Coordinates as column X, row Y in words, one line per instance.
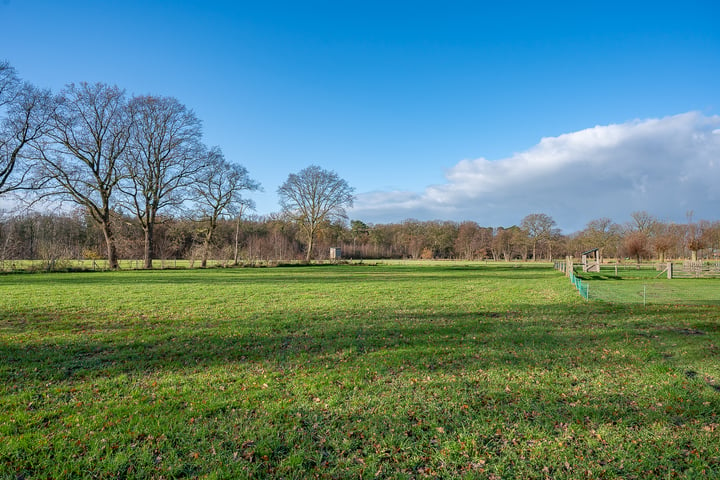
column 657, row 292
column 632, row 270
column 643, row 284
column 582, row 287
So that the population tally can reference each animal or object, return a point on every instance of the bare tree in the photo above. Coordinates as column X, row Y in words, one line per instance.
column 90, row 129
column 218, row 191
column 243, row 205
column 602, row 233
column 9, row 85
column 412, row 237
column 712, row 237
column 695, row 236
column 539, row 228
column 163, row 155
column 637, row 244
column 506, row 242
column 468, row 241
column 9, row 82
column 644, row 222
column 312, row 197
column 26, row 109
column 663, row 240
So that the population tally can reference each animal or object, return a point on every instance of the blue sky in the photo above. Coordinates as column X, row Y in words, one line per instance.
column 431, row 110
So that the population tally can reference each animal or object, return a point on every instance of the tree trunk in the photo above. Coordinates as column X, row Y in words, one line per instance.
column 311, row 241
column 308, row 255
column 147, row 259
column 110, row 243
column 693, row 255
column 237, row 242
column 206, row 249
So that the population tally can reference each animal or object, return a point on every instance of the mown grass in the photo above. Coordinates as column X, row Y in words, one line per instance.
column 386, row 371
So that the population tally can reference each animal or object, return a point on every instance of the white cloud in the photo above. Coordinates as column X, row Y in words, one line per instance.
column 666, row 166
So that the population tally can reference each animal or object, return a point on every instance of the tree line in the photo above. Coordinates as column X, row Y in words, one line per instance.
column 252, row 239
column 134, row 179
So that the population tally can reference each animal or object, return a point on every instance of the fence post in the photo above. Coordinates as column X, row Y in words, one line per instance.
column 669, row 270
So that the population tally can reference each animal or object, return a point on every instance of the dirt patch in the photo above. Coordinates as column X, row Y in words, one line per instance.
column 689, row 331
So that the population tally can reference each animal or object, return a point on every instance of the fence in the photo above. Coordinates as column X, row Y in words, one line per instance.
column 685, row 269
column 583, row 287
column 695, row 269
column 658, row 292
column 647, row 285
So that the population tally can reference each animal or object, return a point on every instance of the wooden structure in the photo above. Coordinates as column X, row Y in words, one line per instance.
column 335, row 254
column 695, row 269
column 569, row 266
column 591, row 264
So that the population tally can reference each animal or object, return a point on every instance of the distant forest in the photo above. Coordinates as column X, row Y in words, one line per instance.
column 53, row 237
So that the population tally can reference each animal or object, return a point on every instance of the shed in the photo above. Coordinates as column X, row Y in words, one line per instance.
column 591, row 264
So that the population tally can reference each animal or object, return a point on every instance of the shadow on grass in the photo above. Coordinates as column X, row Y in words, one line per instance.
column 428, row 379
column 527, row 337
column 302, row 391
column 315, row 274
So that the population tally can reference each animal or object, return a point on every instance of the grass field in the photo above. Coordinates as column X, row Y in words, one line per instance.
column 649, row 286
column 353, row 371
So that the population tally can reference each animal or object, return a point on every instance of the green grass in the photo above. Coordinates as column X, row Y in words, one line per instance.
column 634, row 271
column 649, row 286
column 445, row 370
